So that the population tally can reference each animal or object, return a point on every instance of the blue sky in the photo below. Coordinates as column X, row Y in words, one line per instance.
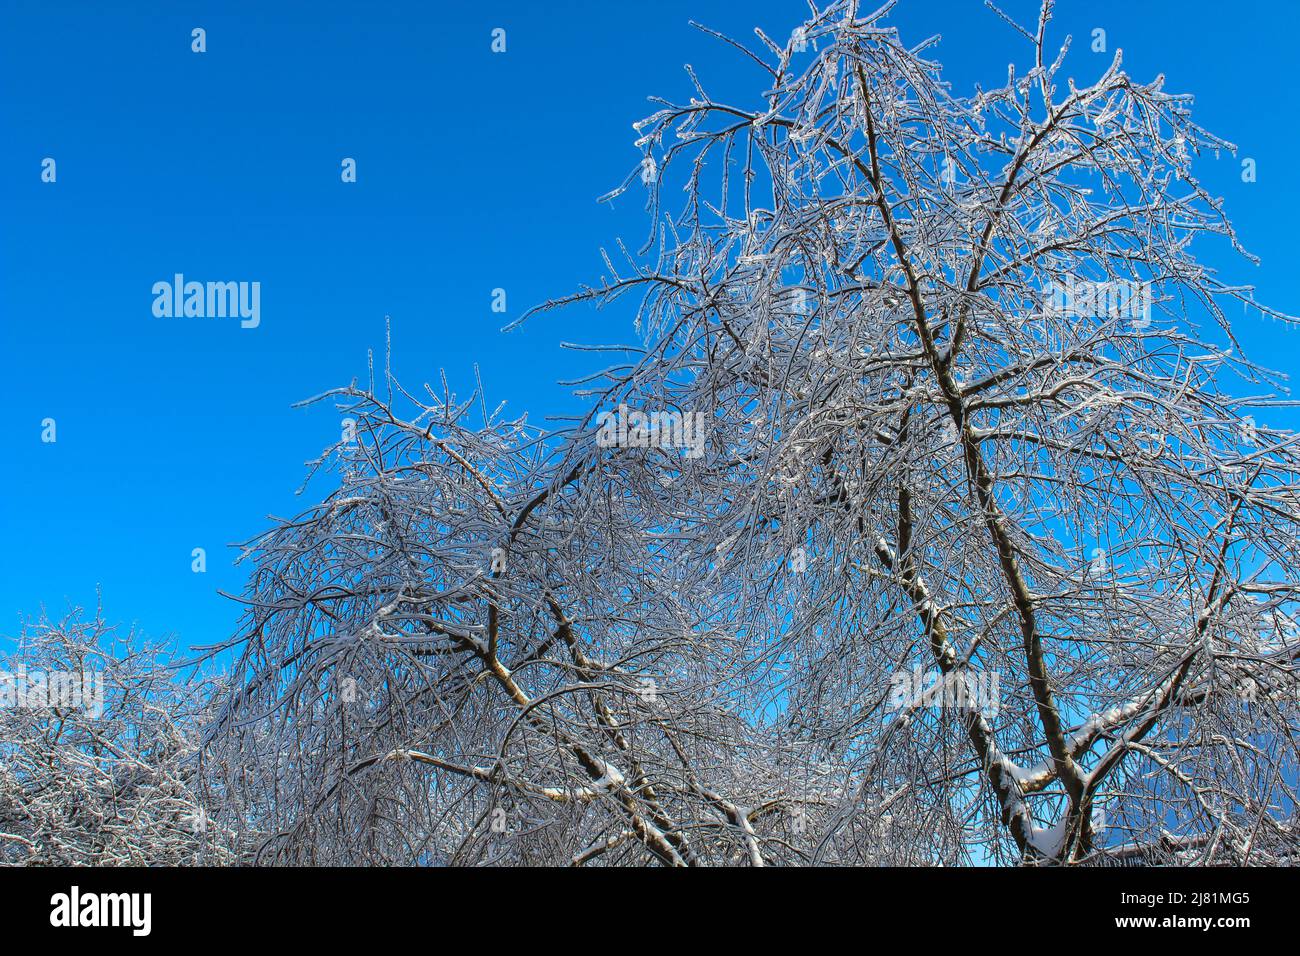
column 476, row 171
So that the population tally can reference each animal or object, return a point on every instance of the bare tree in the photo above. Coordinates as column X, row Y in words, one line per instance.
column 468, row 653
column 957, row 413
column 99, row 752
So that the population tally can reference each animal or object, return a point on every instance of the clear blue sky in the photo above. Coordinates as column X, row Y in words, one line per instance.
column 475, row 171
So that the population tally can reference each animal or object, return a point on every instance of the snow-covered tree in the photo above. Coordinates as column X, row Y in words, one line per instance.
column 924, row 390
column 99, row 761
